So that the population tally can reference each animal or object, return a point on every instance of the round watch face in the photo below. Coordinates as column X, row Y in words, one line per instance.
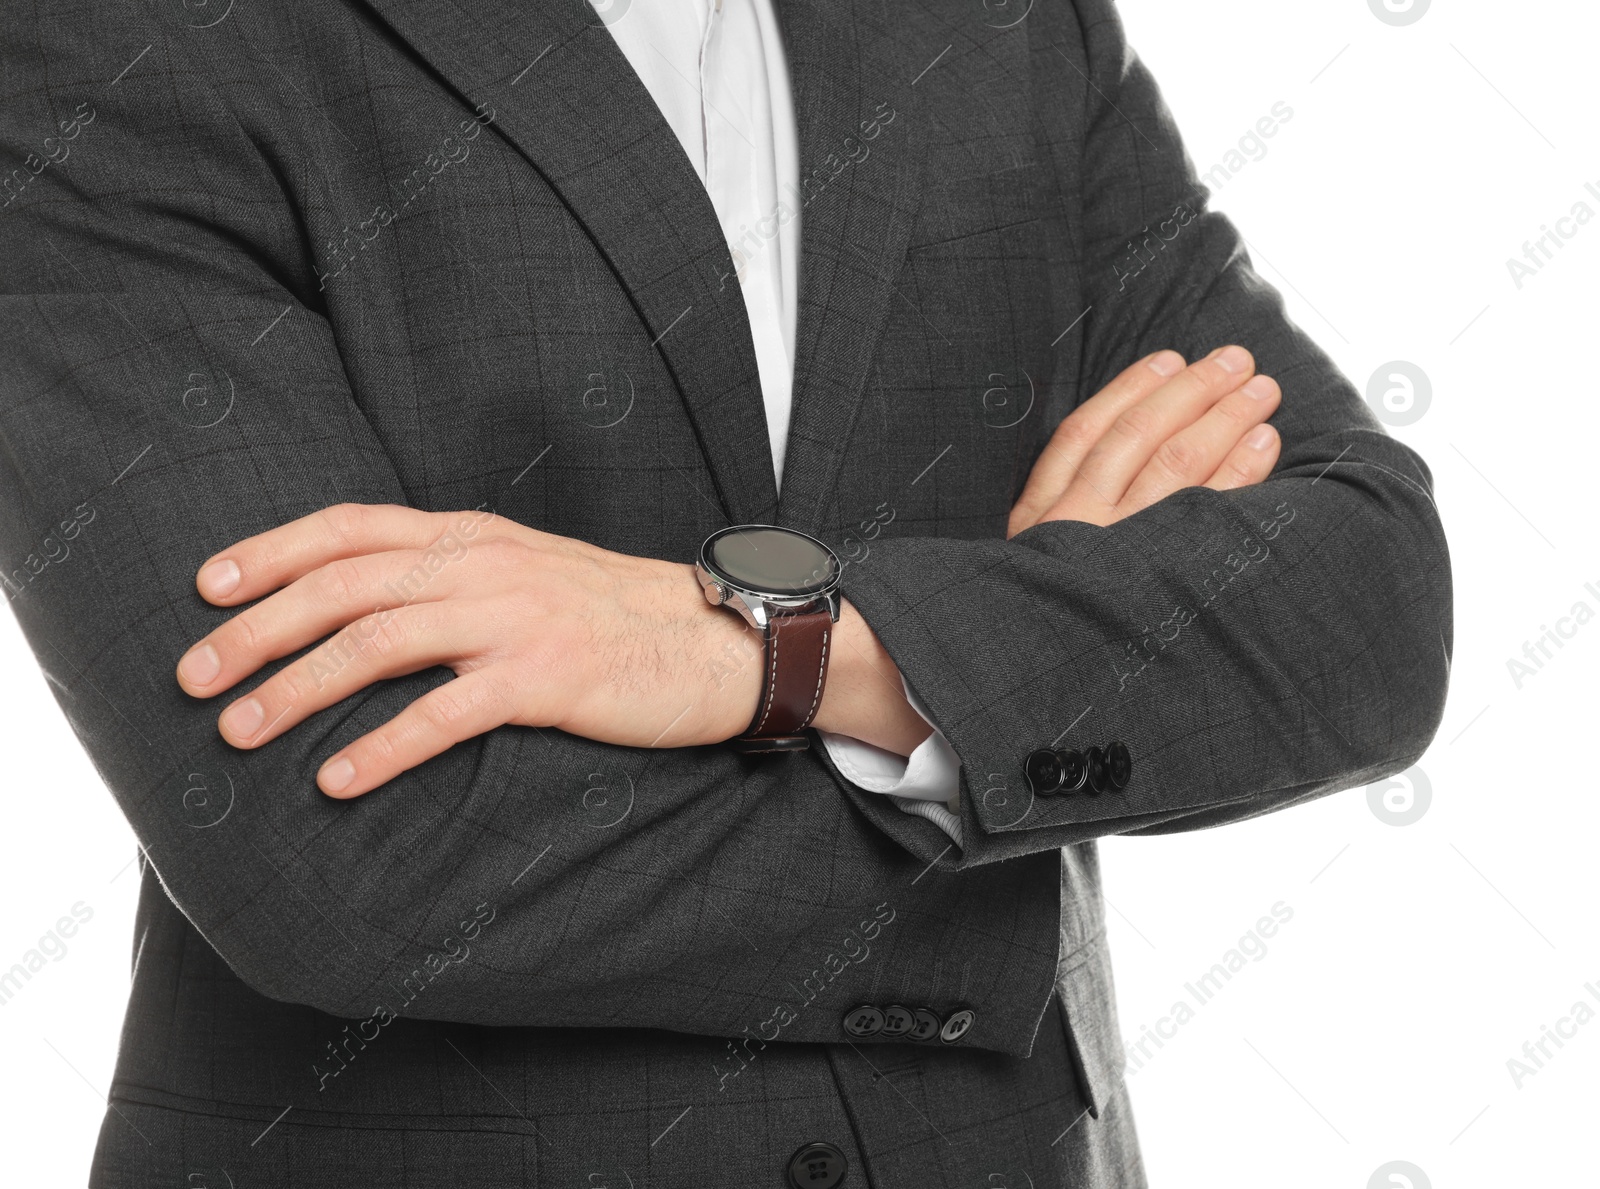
column 772, row 561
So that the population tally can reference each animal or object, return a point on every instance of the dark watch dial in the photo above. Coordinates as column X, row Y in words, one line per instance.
column 771, row 561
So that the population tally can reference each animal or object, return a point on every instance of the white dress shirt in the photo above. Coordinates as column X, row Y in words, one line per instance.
column 717, row 71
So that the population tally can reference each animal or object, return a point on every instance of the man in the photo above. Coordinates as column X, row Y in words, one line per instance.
column 388, row 368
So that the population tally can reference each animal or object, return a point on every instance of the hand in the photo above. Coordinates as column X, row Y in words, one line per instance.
column 540, row 630
column 546, row 631
column 1155, row 429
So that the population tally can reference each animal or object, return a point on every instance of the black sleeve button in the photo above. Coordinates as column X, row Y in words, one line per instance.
column 897, row 1020
column 817, row 1166
column 1074, row 769
column 1099, row 777
column 864, row 1021
column 926, row 1026
column 1119, row 765
column 1043, row 770
column 957, row 1025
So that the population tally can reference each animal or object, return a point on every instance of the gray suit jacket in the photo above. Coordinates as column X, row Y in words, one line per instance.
column 257, row 260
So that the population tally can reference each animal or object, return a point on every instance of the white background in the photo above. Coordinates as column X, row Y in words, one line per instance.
column 1420, row 958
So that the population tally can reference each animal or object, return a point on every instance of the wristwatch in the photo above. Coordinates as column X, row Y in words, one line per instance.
column 786, row 585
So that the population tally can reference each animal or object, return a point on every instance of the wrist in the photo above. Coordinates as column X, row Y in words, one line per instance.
column 864, row 696
column 727, row 658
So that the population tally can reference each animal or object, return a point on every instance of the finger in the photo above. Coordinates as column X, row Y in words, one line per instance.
column 315, row 605
column 1249, row 462
column 1082, row 428
column 389, row 644
column 460, row 710
column 1133, row 438
column 256, row 565
column 1192, row 455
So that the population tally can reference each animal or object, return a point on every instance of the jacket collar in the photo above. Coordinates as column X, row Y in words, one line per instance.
column 564, row 95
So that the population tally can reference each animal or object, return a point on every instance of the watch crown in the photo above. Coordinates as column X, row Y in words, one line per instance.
column 713, row 588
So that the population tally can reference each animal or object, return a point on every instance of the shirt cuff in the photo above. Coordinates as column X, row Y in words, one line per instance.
column 926, row 783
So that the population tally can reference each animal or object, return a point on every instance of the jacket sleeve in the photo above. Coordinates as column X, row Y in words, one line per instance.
column 1253, row 648
column 169, row 385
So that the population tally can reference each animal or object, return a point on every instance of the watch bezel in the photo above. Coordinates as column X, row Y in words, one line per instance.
column 713, row 575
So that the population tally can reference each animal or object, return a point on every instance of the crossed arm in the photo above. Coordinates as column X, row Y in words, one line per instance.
column 546, row 631
column 1319, row 670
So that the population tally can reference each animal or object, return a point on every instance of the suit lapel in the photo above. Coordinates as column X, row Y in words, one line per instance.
column 861, row 187
column 564, row 95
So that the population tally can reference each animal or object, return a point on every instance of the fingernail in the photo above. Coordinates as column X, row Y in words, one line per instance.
column 219, row 579
column 1260, row 437
column 1258, row 388
column 243, row 719
column 1233, row 359
column 337, row 774
column 200, row 666
column 1166, row 363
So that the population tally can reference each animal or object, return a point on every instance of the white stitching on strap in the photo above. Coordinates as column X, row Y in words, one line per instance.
column 822, row 669
column 772, row 672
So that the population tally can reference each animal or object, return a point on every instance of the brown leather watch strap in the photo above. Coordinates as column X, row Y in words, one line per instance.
column 795, row 672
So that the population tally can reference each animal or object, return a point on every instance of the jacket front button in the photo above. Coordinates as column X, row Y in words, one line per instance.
column 817, row 1166
column 958, row 1025
column 897, row 1020
column 864, row 1021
